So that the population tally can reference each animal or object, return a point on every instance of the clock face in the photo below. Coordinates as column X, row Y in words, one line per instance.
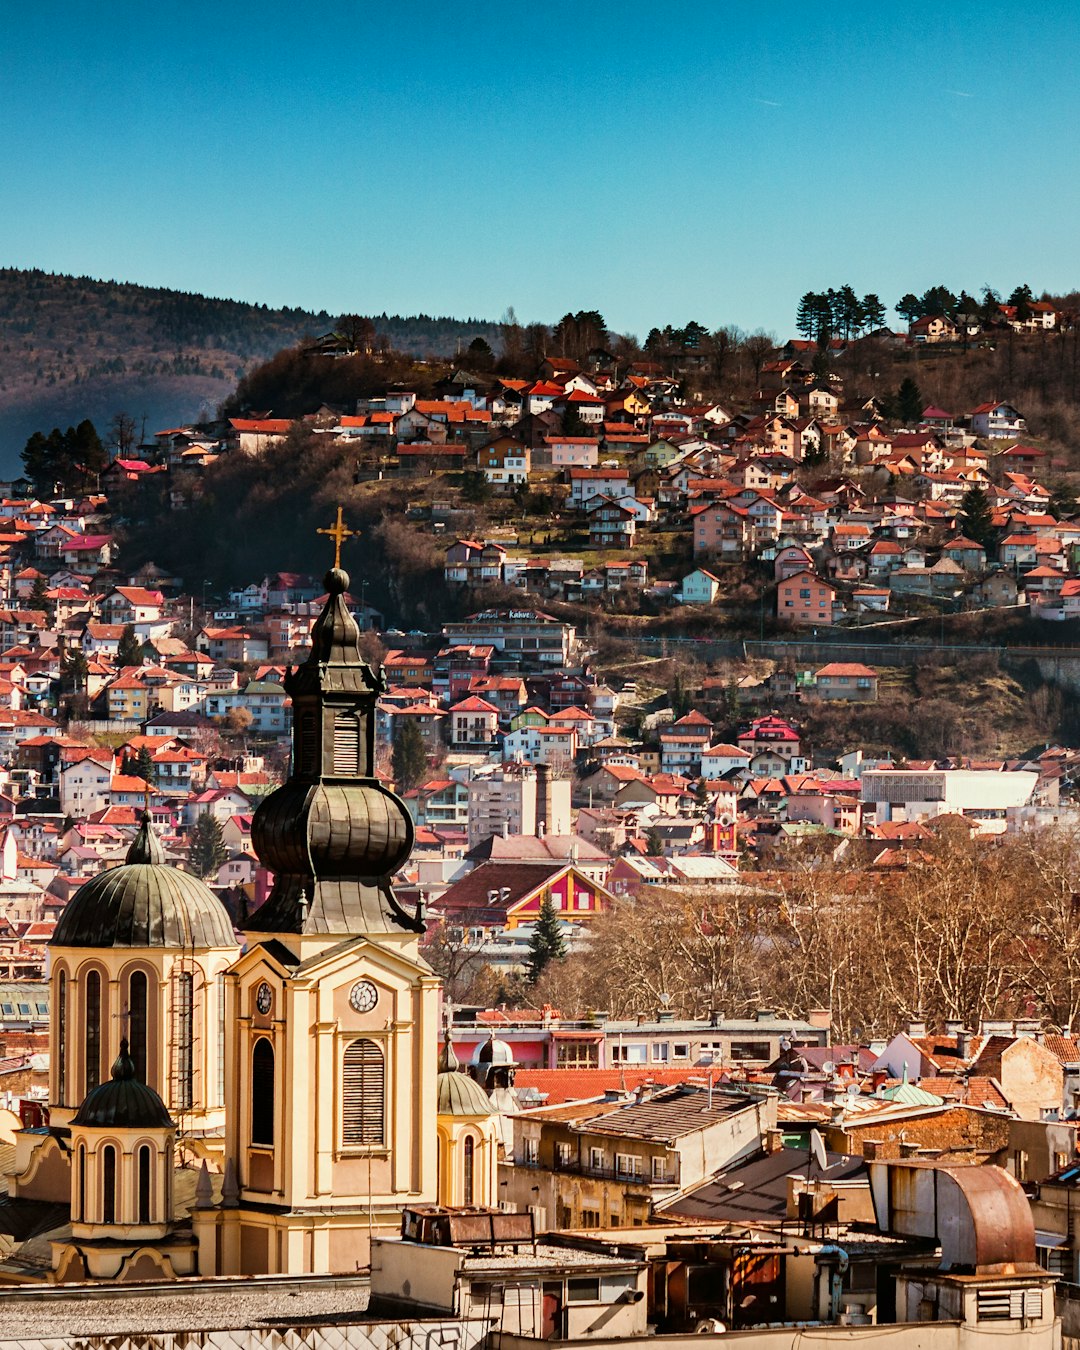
column 363, row 996
column 264, row 998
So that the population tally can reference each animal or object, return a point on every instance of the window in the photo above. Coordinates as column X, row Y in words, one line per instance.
column 346, row 743
column 184, row 1042
column 628, row 1054
column 660, row 1051
column 144, row 1183
column 596, row 1159
column 751, row 1050
column 659, row 1169
column 712, row 1052
column 562, row 1154
column 532, row 1152
column 24, row 1009
column 137, row 1022
column 220, row 1075
column 262, row 1093
column 92, row 1037
column 80, row 1205
column 680, row 1050
column 469, row 1160
column 61, row 1035
column 108, row 1184
column 627, row 1165
column 363, row 1093
column 583, row 1290
column 590, row 1218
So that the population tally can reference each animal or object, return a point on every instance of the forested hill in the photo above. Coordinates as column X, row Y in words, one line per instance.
column 74, row 347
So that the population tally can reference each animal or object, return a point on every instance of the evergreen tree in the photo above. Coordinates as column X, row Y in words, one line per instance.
column 976, row 517
column 806, row 315
column 908, row 307
column 129, row 651
column 909, row 402
column 206, row 850
column 39, row 595
column 409, row 758
column 144, row 765
column 873, row 312
column 547, row 943
column 654, row 845
column 75, row 669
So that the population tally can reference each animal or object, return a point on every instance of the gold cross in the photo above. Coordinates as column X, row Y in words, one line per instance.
column 338, row 532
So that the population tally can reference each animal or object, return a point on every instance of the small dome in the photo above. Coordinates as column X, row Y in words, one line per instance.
column 495, row 1053
column 144, row 903
column 456, row 1094
column 123, row 1103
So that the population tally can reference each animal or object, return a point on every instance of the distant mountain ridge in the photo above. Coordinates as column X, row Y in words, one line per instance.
column 75, row 347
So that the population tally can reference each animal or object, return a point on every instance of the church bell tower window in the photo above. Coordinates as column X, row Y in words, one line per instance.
column 262, row 1093
column 61, row 1035
column 137, row 1022
column 144, row 1183
column 363, row 1095
column 93, row 1029
column 346, row 744
column 108, row 1184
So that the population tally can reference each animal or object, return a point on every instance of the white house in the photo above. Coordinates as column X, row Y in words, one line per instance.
column 996, row 421
column 699, row 587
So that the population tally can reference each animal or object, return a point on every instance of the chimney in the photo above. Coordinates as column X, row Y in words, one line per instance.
column 774, row 1140
column 820, row 1018
column 953, row 1027
column 963, row 1043
column 878, row 1079
column 916, row 1028
column 544, row 804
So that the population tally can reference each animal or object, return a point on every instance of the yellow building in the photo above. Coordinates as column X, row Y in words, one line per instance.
column 333, row 1038
column 304, row 1070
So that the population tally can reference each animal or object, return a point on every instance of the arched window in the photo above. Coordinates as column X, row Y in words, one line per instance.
column 184, row 1042
column 108, row 1184
column 469, row 1154
column 137, row 1001
column 363, row 1094
column 219, row 1077
column 80, row 1207
column 61, row 1036
column 144, row 1161
column 262, row 1093
column 93, row 1029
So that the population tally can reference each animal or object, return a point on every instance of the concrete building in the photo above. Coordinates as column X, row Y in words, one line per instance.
column 985, row 796
column 517, row 799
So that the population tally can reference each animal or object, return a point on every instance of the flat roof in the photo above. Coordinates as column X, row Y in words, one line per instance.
column 181, row 1306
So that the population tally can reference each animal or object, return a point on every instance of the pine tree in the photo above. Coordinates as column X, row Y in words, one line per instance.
column 39, row 595
column 654, row 845
column 129, row 652
column 547, row 943
column 206, row 851
column 409, row 758
column 909, row 403
column 977, row 517
column 873, row 311
column 144, row 765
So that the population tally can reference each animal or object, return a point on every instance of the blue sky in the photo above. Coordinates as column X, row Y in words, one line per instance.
column 659, row 162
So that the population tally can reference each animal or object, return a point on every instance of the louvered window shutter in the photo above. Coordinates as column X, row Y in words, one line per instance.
column 346, row 744
column 363, row 1094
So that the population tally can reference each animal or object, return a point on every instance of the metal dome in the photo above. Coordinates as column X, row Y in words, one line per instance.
column 494, row 1054
column 144, row 904
column 123, row 1103
column 456, row 1094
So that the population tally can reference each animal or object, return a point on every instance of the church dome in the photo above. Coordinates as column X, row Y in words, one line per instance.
column 456, row 1094
column 494, row 1054
column 123, row 1103
column 144, row 903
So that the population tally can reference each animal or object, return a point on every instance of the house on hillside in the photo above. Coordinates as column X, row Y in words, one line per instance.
column 805, row 599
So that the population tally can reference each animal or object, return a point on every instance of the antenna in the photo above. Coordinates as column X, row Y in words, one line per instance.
column 817, row 1149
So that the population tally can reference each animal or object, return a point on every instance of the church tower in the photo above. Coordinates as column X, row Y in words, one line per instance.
column 332, row 1042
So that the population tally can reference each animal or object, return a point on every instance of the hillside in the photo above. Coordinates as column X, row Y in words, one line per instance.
column 74, row 347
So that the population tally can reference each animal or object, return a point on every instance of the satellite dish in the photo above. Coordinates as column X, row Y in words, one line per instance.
column 785, row 1042
column 817, row 1148
column 828, row 1068
column 853, row 1089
